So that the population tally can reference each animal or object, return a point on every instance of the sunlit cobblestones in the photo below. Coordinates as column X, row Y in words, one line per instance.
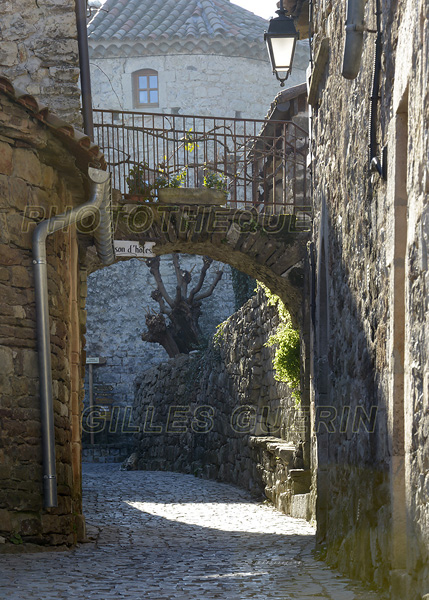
column 165, row 536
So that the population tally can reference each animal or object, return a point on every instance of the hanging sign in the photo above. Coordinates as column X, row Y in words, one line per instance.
column 127, row 249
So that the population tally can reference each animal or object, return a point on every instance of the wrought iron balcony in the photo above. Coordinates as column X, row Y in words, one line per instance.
column 261, row 164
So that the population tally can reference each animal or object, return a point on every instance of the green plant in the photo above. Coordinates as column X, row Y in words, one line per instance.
column 16, row 539
column 189, row 143
column 165, row 181
column 214, row 180
column 137, row 181
column 219, row 333
column 252, row 226
column 177, row 180
column 140, row 186
column 287, row 360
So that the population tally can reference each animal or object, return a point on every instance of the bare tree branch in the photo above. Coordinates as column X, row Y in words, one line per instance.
column 206, row 265
column 211, row 289
column 154, row 269
column 157, row 296
column 179, row 277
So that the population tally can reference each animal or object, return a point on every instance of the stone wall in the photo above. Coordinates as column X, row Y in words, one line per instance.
column 369, row 346
column 117, row 301
column 195, row 84
column 39, row 52
column 38, row 178
column 221, row 414
column 108, row 452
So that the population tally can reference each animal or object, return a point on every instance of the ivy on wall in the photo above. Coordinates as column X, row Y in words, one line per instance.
column 286, row 362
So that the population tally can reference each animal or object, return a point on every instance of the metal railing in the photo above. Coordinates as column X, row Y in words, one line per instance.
column 261, row 164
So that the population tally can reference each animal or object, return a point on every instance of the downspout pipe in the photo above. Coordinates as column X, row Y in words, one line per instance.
column 85, row 73
column 355, row 26
column 374, row 161
column 99, row 203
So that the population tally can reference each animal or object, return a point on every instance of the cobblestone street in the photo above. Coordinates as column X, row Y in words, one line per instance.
column 169, row 536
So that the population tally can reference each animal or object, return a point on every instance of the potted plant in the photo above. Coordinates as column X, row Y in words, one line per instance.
column 213, row 192
column 168, row 188
column 139, row 188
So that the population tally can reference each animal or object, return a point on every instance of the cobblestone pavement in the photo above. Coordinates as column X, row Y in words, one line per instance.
column 165, row 536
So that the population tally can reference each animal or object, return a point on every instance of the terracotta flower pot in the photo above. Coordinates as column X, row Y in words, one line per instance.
column 135, row 199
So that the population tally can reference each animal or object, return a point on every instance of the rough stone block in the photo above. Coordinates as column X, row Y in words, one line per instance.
column 30, row 527
column 6, row 362
column 6, row 164
column 10, row 256
column 26, row 165
column 22, row 277
column 300, row 506
column 5, row 520
column 4, row 274
column 20, row 230
column 9, row 54
column 19, row 193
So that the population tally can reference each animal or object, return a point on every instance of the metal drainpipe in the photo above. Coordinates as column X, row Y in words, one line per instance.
column 353, row 47
column 85, row 73
column 100, row 202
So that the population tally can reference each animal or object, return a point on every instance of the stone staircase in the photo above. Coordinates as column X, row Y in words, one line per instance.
column 281, row 467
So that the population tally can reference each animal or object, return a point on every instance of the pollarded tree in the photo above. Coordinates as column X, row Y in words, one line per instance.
column 176, row 325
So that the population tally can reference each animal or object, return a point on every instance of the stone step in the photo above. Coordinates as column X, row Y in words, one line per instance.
column 300, row 507
column 301, row 480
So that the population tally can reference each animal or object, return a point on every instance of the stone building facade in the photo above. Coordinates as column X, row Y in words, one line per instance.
column 39, row 53
column 369, row 309
column 43, row 171
column 205, row 58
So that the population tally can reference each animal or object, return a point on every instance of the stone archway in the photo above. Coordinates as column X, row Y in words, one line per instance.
column 266, row 247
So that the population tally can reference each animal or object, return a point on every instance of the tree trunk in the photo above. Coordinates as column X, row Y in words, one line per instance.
column 181, row 334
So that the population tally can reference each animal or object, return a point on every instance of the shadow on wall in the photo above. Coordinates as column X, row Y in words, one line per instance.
column 350, row 434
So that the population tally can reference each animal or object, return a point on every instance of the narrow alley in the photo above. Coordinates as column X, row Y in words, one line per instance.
column 162, row 535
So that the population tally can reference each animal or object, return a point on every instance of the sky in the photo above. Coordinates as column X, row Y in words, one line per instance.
column 263, row 8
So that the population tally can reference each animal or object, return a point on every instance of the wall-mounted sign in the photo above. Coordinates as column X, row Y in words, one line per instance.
column 100, row 388
column 92, row 360
column 96, row 360
column 123, row 248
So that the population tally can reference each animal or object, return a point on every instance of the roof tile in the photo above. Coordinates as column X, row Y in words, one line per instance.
column 152, row 18
column 79, row 144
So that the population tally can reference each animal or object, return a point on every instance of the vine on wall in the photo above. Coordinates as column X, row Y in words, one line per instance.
column 286, row 362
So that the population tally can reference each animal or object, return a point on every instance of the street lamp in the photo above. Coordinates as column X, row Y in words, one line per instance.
column 281, row 41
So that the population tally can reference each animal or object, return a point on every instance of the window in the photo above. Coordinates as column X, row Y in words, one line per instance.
column 145, row 88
